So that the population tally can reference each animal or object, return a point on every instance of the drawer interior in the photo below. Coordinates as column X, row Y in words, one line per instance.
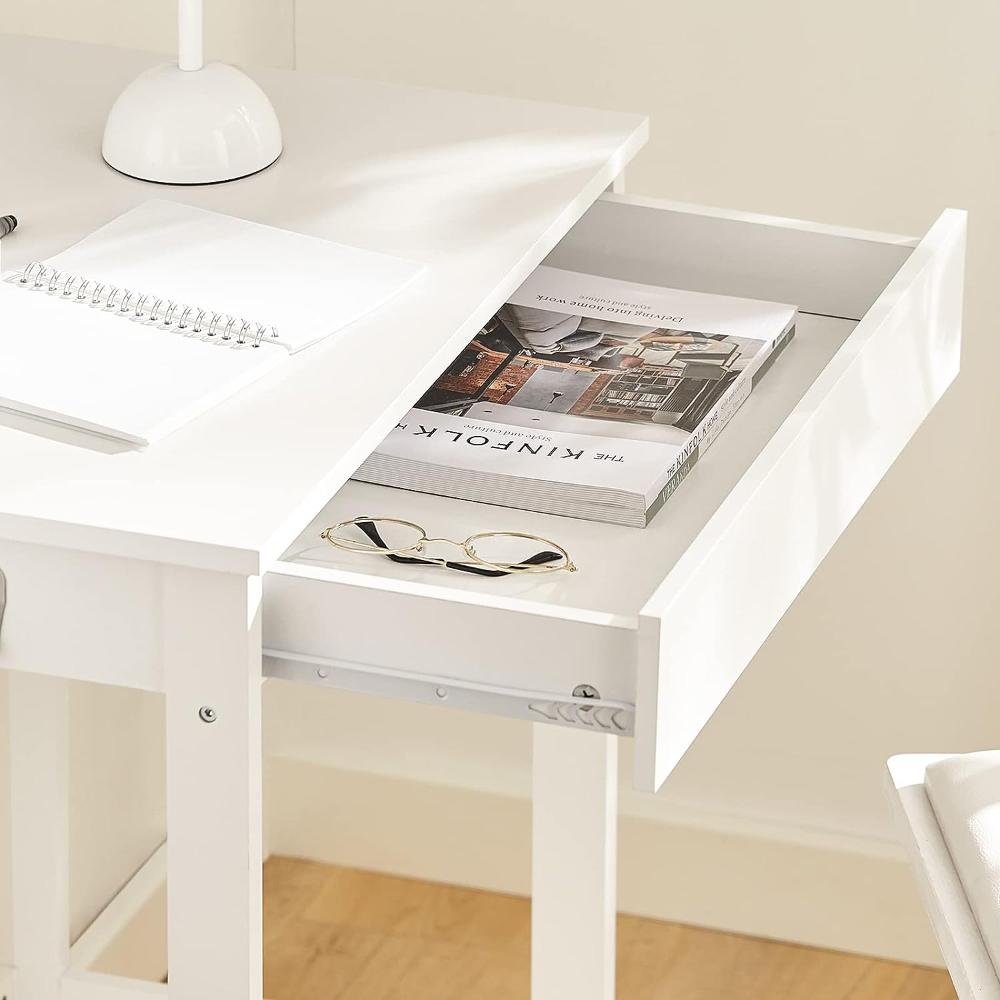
column 834, row 277
column 824, row 270
column 619, row 567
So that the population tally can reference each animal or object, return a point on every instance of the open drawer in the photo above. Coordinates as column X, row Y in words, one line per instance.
column 659, row 622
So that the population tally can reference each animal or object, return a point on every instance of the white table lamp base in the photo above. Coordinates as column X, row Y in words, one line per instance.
column 203, row 126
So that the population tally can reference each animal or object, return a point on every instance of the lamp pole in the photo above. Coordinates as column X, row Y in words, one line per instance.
column 190, row 35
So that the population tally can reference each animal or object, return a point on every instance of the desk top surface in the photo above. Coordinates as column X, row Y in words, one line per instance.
column 479, row 188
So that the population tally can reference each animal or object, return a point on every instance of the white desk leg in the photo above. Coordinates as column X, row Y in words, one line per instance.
column 213, row 683
column 573, row 864
column 39, row 765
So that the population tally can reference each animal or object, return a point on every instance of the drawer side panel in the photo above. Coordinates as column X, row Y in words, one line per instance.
column 422, row 635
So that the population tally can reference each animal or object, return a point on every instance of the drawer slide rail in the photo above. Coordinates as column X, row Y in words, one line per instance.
column 594, row 714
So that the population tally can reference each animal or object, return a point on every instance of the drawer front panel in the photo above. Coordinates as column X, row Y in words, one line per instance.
column 764, row 542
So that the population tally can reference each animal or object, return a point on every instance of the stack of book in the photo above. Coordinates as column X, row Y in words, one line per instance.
column 585, row 396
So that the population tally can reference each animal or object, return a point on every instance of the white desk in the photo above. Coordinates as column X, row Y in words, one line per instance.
column 163, row 567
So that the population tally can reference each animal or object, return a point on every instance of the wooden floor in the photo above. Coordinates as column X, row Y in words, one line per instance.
column 340, row 934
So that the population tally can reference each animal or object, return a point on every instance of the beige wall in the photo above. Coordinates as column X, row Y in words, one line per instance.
column 254, row 32
column 870, row 115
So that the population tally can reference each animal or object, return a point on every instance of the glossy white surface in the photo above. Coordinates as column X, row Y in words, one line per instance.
column 478, row 188
column 198, row 126
column 717, row 605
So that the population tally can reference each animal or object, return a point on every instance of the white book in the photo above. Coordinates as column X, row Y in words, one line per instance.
column 585, row 396
column 168, row 310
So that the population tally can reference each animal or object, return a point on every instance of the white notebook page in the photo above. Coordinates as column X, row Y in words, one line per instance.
column 96, row 368
column 101, row 372
column 306, row 287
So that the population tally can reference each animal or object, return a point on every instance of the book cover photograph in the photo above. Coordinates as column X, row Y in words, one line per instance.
column 584, row 396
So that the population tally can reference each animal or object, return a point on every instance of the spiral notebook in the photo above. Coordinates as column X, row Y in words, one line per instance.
column 168, row 310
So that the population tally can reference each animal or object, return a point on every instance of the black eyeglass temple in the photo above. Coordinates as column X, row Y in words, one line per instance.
column 539, row 559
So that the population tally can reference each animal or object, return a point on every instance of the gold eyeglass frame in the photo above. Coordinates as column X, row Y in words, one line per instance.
column 416, row 550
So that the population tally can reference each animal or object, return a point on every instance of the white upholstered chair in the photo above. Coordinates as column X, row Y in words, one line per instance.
column 948, row 807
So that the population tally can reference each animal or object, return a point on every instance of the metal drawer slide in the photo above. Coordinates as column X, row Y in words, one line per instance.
column 593, row 714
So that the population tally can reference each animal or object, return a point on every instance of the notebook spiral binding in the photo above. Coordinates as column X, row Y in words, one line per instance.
column 125, row 302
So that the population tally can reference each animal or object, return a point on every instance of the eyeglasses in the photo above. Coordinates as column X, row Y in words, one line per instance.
column 487, row 553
